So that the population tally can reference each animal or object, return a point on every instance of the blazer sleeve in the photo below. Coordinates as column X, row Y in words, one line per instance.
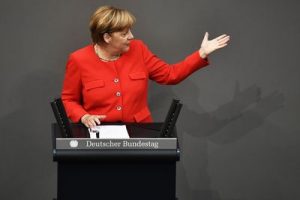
column 72, row 91
column 164, row 73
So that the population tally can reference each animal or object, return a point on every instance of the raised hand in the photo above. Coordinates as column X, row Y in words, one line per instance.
column 209, row 46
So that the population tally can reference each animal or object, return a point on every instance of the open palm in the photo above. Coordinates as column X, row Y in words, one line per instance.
column 209, row 46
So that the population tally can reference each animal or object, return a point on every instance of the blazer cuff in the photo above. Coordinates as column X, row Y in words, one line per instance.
column 196, row 60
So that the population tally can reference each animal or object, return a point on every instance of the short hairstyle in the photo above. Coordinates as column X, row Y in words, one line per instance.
column 109, row 19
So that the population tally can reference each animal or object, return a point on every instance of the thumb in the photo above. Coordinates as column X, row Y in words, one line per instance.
column 206, row 36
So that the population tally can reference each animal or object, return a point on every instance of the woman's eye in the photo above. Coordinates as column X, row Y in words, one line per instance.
column 125, row 33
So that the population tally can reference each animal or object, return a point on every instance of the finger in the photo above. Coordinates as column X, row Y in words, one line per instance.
column 92, row 124
column 86, row 124
column 101, row 116
column 206, row 35
column 97, row 121
column 220, row 44
column 224, row 40
column 93, row 121
column 223, row 45
column 220, row 37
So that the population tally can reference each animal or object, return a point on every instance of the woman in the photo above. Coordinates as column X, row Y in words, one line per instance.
column 108, row 80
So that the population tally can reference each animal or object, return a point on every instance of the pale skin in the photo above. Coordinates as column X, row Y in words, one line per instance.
column 117, row 43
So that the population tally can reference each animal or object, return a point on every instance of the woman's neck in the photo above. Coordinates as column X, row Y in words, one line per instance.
column 105, row 53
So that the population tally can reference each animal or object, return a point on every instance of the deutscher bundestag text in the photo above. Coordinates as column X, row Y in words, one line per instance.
column 123, row 144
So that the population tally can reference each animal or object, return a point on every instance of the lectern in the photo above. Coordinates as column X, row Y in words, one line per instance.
column 110, row 169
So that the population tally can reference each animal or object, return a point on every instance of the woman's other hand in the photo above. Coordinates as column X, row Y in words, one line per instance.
column 91, row 121
column 209, row 46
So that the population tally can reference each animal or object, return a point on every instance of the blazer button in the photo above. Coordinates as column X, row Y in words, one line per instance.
column 118, row 94
column 119, row 108
column 116, row 80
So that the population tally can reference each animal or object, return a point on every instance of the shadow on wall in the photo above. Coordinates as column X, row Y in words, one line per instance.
column 227, row 124
column 26, row 141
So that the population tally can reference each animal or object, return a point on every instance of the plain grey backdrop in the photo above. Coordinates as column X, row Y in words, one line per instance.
column 239, row 128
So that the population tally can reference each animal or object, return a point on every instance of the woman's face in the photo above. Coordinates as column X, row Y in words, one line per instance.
column 120, row 41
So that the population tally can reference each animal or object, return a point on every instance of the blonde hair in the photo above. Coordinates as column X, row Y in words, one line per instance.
column 109, row 19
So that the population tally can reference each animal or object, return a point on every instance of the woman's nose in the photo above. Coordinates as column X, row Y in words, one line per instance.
column 130, row 35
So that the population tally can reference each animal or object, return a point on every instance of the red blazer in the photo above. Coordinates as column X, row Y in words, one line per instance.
column 118, row 89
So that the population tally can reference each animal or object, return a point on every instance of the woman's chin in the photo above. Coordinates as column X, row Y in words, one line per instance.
column 126, row 49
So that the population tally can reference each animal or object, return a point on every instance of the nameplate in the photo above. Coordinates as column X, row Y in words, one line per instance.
column 132, row 143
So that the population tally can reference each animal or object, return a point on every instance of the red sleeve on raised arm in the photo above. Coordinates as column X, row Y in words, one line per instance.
column 165, row 73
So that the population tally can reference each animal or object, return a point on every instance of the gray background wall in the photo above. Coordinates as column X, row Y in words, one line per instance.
column 239, row 128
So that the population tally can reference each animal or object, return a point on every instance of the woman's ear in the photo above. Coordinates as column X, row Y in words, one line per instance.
column 106, row 38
